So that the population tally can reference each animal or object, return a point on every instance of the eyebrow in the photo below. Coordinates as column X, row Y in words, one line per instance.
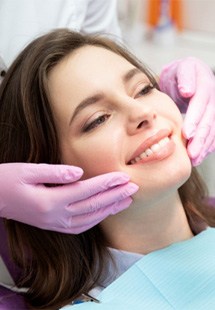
column 99, row 96
column 130, row 74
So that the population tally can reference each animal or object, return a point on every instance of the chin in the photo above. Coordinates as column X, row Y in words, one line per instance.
column 168, row 179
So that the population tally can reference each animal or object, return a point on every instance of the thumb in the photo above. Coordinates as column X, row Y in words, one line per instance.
column 45, row 173
column 186, row 78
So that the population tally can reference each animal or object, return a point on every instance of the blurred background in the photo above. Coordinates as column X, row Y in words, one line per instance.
column 159, row 31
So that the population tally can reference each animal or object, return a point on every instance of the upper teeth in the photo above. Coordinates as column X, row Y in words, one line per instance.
column 153, row 149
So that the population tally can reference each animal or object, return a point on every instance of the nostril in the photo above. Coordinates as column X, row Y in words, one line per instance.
column 143, row 123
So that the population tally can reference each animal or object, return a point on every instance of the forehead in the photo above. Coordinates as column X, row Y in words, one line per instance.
column 83, row 73
column 90, row 61
column 97, row 53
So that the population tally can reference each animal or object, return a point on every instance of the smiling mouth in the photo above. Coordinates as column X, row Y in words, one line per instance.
column 161, row 146
column 150, row 151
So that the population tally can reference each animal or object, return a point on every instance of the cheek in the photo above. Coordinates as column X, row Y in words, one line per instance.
column 176, row 116
column 94, row 156
column 167, row 107
column 98, row 160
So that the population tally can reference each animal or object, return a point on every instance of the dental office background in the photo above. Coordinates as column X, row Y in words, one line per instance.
column 191, row 33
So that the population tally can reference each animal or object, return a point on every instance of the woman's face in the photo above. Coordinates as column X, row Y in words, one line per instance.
column 110, row 118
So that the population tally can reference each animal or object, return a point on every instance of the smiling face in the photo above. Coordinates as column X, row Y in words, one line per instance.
column 109, row 117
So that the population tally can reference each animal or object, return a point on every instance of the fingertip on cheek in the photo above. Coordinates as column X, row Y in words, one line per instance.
column 195, row 158
column 189, row 131
column 190, row 154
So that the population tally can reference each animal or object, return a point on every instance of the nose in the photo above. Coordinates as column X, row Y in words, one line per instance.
column 140, row 116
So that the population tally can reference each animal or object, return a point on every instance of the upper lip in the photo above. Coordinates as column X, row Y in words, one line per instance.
column 155, row 138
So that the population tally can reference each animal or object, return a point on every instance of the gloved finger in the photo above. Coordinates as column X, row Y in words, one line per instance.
column 194, row 113
column 168, row 74
column 117, row 203
column 207, row 149
column 81, row 223
column 212, row 146
column 199, row 145
column 198, row 160
column 192, row 149
column 172, row 77
column 82, row 190
column 56, row 174
column 172, row 90
column 186, row 78
column 102, row 199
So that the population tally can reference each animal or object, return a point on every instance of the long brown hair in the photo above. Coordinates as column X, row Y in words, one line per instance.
column 57, row 267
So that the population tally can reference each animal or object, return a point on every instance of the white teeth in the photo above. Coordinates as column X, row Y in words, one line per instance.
column 153, row 149
column 143, row 155
column 148, row 152
column 164, row 141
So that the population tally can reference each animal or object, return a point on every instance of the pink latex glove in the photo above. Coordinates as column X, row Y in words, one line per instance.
column 73, row 207
column 190, row 82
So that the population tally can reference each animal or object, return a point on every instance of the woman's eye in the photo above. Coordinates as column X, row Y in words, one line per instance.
column 145, row 90
column 97, row 122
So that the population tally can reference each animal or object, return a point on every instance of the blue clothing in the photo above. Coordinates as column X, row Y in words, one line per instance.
column 181, row 276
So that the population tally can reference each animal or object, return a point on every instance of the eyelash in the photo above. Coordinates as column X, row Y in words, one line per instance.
column 145, row 90
column 96, row 122
column 102, row 118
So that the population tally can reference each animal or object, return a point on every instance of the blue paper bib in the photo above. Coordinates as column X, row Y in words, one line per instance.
column 181, row 276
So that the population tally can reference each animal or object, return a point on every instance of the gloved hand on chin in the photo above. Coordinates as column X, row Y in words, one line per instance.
column 71, row 207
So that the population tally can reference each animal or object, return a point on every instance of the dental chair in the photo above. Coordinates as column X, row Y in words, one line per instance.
column 9, row 299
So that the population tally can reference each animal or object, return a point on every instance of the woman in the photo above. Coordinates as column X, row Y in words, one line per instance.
column 73, row 99
column 182, row 80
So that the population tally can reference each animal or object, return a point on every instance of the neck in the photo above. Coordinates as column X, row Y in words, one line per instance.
column 143, row 229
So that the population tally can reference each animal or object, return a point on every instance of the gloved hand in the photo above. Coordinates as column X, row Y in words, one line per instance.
column 190, row 82
column 72, row 207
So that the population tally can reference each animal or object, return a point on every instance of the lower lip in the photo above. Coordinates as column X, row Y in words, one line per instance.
column 163, row 153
